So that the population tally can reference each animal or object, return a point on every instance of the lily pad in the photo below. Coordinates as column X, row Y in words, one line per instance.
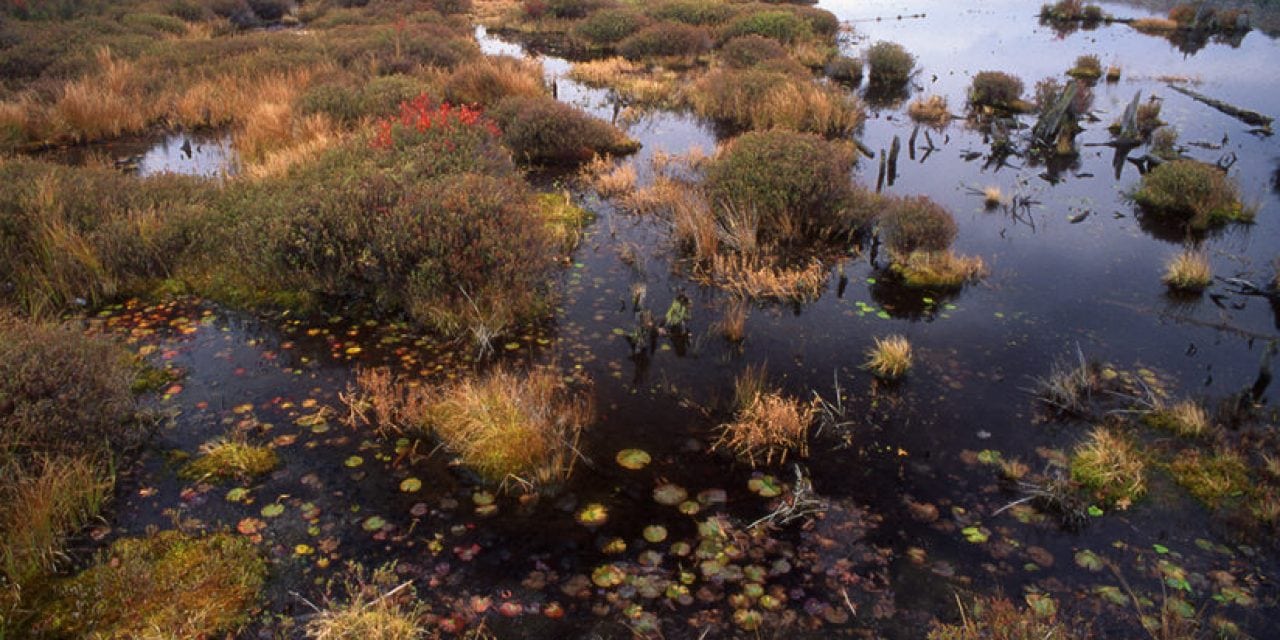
column 237, row 494
column 633, row 459
column 410, row 485
column 608, row 575
column 689, row 508
column 655, row 533
column 482, row 498
column 373, row 523
column 1089, row 560
column 272, row 510
column 975, row 534
column 592, row 515
column 765, row 486
column 669, row 494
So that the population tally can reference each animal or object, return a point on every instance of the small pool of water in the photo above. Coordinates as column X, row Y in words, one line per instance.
column 206, row 155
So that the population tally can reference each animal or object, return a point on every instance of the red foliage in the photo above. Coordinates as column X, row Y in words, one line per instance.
column 421, row 116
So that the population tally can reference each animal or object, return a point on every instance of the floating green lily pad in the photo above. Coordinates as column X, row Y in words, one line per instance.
column 272, row 510
column 669, row 494
column 354, row 461
column 410, row 485
column 975, row 534
column 1089, row 560
column 373, row 523
column 482, row 498
column 655, row 533
column 608, row 575
column 765, row 486
column 633, row 459
column 237, row 494
column 592, row 515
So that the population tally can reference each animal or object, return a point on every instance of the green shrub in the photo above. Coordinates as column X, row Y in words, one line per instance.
column 995, row 89
column 821, row 22
column 693, row 12
column 890, row 64
column 844, row 69
column 167, row 583
column 1194, row 191
column 609, row 26
column 666, row 39
column 797, row 184
column 545, row 130
column 916, row 224
column 156, row 23
column 750, row 50
column 573, row 8
column 784, row 26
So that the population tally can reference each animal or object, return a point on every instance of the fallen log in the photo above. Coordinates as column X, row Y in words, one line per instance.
column 1244, row 115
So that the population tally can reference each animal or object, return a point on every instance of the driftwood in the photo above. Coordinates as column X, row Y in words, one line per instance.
column 1244, row 115
column 1129, row 121
column 894, row 149
column 1055, row 118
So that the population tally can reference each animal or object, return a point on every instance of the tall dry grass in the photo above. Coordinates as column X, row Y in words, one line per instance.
column 104, row 104
column 767, row 426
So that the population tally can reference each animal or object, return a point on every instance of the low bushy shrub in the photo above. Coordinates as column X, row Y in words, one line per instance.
column 666, row 40
column 694, row 12
column 748, row 51
column 995, row 89
column 916, row 224
column 545, row 130
column 784, row 26
column 844, row 69
column 890, row 64
column 1196, row 192
column 797, row 184
column 609, row 26
column 573, row 8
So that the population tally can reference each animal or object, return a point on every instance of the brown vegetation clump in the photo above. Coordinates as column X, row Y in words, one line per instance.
column 937, row 270
column 544, row 130
column 761, row 279
column 929, row 110
column 488, row 80
column 767, row 425
column 1186, row 418
column 512, row 429
column 1110, row 465
column 890, row 64
column 171, row 583
column 610, row 179
column 666, row 41
column 995, row 89
column 1199, row 193
column 1087, row 67
column 993, row 618
column 890, row 358
column 1188, row 271
column 916, row 224
column 762, row 99
column 744, row 52
column 377, row 607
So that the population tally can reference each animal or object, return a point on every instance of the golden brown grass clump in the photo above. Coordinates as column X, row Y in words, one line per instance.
column 938, row 269
column 930, row 110
column 1000, row 619
column 609, row 178
column 377, row 609
column 760, row 279
column 639, row 84
column 168, row 585
column 1154, row 25
column 1188, row 271
column 492, row 78
column 226, row 459
column 767, row 426
column 733, row 324
column 512, row 428
column 1186, row 418
column 1211, row 478
column 890, row 358
column 760, row 99
column 1110, row 465
column 992, row 197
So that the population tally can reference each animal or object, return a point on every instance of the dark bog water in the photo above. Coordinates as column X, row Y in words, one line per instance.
column 1054, row 285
